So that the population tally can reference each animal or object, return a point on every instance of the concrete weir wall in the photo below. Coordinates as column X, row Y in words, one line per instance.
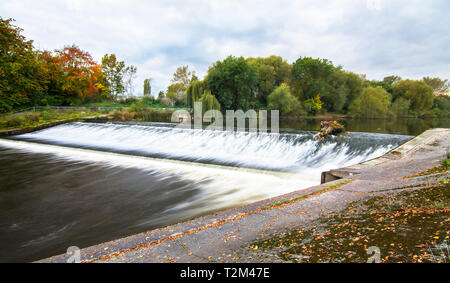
column 216, row 237
column 395, row 154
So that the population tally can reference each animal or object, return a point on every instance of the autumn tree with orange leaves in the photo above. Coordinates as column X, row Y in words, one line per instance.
column 82, row 75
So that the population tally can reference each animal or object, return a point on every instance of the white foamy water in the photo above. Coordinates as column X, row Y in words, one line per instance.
column 282, row 152
column 299, row 158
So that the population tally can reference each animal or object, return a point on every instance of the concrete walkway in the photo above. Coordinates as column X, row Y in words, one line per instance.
column 223, row 237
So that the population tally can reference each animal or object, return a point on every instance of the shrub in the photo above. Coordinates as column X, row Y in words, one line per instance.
column 372, row 102
column 281, row 99
column 400, row 107
column 418, row 92
column 14, row 121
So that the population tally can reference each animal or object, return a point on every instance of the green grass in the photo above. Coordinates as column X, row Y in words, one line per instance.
column 36, row 118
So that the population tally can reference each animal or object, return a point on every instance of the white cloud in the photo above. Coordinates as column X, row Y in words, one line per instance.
column 409, row 38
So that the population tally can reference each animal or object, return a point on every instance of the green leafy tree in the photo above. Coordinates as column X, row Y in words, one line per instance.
column 400, row 107
column 194, row 92
column 418, row 92
column 147, row 87
column 336, row 91
column 355, row 85
column 176, row 92
column 233, row 82
column 272, row 71
column 281, row 99
column 209, row 102
column 184, row 76
column 19, row 69
column 114, row 71
column 374, row 83
column 310, row 77
column 313, row 105
column 373, row 102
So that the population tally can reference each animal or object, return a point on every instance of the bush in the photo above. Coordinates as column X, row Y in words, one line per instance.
column 372, row 102
column 418, row 92
column 281, row 99
column 400, row 107
column 14, row 121
column 33, row 117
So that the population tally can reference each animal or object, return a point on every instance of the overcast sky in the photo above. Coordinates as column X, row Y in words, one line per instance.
column 374, row 37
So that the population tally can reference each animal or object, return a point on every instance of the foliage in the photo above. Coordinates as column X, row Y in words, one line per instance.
column 194, row 92
column 209, row 102
column 32, row 119
column 281, row 99
column 176, row 93
column 336, row 91
column 272, row 72
column 147, row 88
column 81, row 73
column 114, row 72
column 374, row 83
column 313, row 105
column 233, row 82
column 400, row 107
column 184, row 76
column 418, row 92
column 373, row 102
column 19, row 69
column 437, row 84
column 310, row 77
column 390, row 80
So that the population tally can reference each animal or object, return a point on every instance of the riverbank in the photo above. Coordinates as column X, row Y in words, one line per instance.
column 245, row 234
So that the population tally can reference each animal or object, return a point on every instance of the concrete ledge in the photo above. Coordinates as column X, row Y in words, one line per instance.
column 395, row 154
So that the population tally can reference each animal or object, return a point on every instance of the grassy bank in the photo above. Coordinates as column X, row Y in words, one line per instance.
column 32, row 119
column 36, row 118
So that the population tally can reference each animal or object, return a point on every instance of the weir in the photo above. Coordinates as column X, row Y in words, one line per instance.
column 107, row 181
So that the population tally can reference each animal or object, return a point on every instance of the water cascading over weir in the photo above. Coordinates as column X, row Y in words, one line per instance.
column 86, row 183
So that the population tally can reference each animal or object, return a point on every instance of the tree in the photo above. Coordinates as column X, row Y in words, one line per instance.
column 272, row 72
column 128, row 77
column 374, row 83
column 19, row 69
column 281, row 99
column 183, row 75
column 400, row 107
column 355, row 85
column 437, row 84
column 114, row 71
column 194, row 92
column 176, row 92
column 209, row 102
column 390, row 80
column 313, row 105
column 336, row 91
column 147, row 87
column 310, row 77
column 418, row 92
column 81, row 72
column 373, row 102
column 233, row 82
